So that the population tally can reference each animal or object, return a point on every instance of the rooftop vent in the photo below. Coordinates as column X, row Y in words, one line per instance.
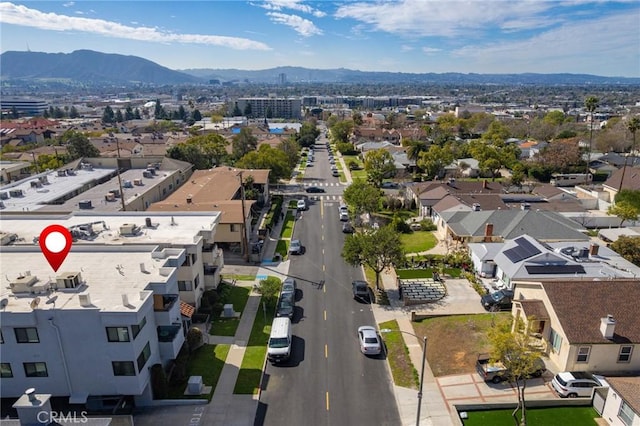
column 69, row 280
column 27, row 283
column 85, row 300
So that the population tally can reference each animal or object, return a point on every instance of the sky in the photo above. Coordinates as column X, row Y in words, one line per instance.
column 597, row 37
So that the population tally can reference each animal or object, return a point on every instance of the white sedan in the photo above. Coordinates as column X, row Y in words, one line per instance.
column 370, row 343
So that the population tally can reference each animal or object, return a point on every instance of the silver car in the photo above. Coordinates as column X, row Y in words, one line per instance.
column 370, row 343
column 295, row 247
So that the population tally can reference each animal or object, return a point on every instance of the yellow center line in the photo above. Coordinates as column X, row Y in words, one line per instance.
column 327, row 401
column 325, row 315
column 326, row 351
column 324, row 268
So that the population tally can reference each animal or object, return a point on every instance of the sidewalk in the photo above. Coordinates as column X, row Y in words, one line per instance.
column 434, row 410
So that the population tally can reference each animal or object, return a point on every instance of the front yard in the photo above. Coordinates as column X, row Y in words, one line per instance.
column 418, row 241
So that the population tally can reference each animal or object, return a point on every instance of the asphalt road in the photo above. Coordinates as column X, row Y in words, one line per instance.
column 327, row 381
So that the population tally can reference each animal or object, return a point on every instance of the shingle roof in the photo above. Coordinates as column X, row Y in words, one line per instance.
column 631, row 179
column 534, row 308
column 580, row 305
column 629, row 389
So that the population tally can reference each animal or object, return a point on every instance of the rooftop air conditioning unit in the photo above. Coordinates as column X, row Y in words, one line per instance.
column 69, row 280
column 62, row 173
column 127, row 184
column 146, row 174
column 129, row 229
column 4, row 196
column 116, row 192
column 85, row 205
column 137, row 182
column 110, row 196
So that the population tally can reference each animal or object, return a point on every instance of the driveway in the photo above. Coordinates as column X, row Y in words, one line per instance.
column 471, row 389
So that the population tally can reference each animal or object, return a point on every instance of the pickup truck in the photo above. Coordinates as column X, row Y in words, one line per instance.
column 496, row 372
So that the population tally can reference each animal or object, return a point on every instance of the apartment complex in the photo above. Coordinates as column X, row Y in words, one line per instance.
column 290, row 108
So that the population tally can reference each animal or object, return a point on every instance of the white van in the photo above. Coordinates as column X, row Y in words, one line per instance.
column 279, row 346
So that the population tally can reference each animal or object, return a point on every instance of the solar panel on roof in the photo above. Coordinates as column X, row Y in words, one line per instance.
column 523, row 250
column 554, row 269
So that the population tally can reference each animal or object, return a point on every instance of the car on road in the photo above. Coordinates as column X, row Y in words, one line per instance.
column 309, row 163
column 360, row 290
column 571, row 384
column 286, row 305
column 344, row 216
column 332, row 161
column 497, row 301
column 335, row 173
column 370, row 343
column 389, row 185
column 301, row 205
column 295, row 247
column 314, row 189
column 347, row 228
column 289, row 286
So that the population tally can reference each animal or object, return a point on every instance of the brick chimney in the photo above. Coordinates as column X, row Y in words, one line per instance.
column 484, row 184
column 593, row 249
column 488, row 232
column 607, row 326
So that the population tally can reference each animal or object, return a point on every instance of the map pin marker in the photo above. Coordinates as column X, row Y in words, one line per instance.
column 55, row 243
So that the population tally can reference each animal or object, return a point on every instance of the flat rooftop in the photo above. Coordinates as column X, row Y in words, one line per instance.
column 170, row 228
column 106, row 275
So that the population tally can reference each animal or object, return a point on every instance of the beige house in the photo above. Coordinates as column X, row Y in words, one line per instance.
column 219, row 190
column 584, row 325
column 622, row 407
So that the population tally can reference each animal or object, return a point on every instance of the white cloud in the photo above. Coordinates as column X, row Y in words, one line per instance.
column 24, row 16
column 302, row 26
column 296, row 5
column 406, row 48
column 444, row 18
column 430, row 50
column 68, row 4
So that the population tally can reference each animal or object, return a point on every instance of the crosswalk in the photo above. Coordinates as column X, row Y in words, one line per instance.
column 320, row 184
column 325, row 197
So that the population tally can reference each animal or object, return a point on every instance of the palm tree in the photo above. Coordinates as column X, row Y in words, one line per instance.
column 590, row 104
column 632, row 126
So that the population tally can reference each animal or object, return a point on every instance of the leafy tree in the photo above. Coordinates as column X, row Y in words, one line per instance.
column 560, row 156
column 291, row 148
column 236, row 111
column 73, row 112
column 50, row 162
column 136, row 114
column 555, row 118
column 362, row 197
column 196, row 115
column 119, row 118
column 308, row 134
column 269, row 288
column 435, row 160
column 625, row 210
column 629, row 196
column 379, row 165
column 128, row 113
column 341, row 130
column 244, row 142
column 357, row 118
column 203, row 151
column 108, row 116
column 628, row 248
column 376, row 248
column 415, row 148
column 497, row 132
column 159, row 111
column 267, row 157
column 78, row 145
column 516, row 351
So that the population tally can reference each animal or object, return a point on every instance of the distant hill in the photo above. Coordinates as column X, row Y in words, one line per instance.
column 342, row 75
column 88, row 66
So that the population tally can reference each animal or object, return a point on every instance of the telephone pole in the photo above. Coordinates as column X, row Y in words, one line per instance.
column 245, row 245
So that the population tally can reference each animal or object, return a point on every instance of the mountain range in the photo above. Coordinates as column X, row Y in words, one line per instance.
column 90, row 67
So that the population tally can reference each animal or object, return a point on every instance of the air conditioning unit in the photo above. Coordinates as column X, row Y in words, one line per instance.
column 129, row 229
column 137, row 182
column 69, row 280
column 110, row 196
column 16, row 193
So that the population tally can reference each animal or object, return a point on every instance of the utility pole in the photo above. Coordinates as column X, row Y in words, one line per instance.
column 245, row 246
column 119, row 179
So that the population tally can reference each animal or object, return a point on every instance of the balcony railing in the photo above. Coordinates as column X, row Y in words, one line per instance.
column 164, row 302
column 167, row 333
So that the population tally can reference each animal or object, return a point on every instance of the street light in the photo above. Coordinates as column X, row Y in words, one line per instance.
column 424, row 359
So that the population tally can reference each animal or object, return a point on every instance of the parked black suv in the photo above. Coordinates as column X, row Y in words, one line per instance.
column 497, row 301
column 361, row 290
column 286, row 305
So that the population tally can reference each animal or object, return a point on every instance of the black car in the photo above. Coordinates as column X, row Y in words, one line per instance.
column 314, row 189
column 497, row 301
column 361, row 290
column 347, row 228
column 286, row 305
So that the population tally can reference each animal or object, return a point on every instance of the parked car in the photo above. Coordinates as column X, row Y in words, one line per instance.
column 571, row 384
column 347, row 228
column 370, row 343
column 335, row 173
column 309, row 163
column 295, row 247
column 286, row 305
column 496, row 371
column 301, row 205
column 314, row 189
column 289, row 286
column 361, row 290
column 498, row 300
column 389, row 185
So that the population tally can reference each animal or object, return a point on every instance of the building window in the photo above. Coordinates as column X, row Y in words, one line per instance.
column 625, row 353
column 27, row 335
column 135, row 329
column 196, row 281
column 35, row 369
column 555, row 340
column 583, row 354
column 626, row 414
column 123, row 368
column 185, row 286
column 235, row 227
column 194, row 258
column 144, row 357
column 118, row 334
column 1, row 338
column 5, row 370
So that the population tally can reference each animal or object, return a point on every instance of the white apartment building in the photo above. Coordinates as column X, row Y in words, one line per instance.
column 96, row 327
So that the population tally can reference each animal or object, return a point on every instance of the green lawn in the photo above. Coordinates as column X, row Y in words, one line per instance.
column 557, row 416
column 403, row 372
column 283, row 248
column 239, row 277
column 406, row 274
column 287, row 227
column 293, row 204
column 224, row 326
column 418, row 241
column 206, row 361
column 248, row 381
